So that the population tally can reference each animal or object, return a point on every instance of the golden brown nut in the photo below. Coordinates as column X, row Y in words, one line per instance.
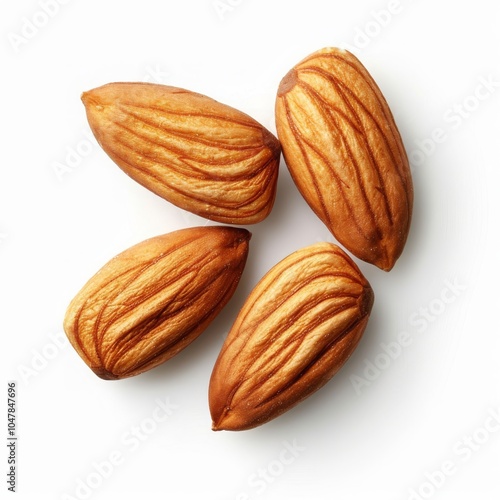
column 297, row 328
column 345, row 154
column 201, row 155
column 152, row 300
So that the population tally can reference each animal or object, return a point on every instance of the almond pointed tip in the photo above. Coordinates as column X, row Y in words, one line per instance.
column 367, row 300
column 220, row 420
column 386, row 262
column 270, row 141
column 88, row 98
column 85, row 96
column 287, row 83
column 385, row 266
column 105, row 374
column 246, row 235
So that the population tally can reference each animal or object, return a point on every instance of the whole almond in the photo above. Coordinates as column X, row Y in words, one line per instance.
column 152, row 300
column 297, row 328
column 345, row 154
column 201, row 155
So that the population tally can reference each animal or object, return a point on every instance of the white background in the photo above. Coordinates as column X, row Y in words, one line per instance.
column 383, row 428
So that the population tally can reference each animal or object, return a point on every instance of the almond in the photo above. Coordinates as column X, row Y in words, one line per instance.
column 345, row 154
column 201, row 155
column 152, row 300
column 296, row 329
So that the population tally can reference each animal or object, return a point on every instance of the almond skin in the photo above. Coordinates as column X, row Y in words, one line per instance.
column 152, row 300
column 297, row 328
column 201, row 155
column 345, row 154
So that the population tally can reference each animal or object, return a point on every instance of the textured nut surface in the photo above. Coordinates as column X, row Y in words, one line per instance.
column 152, row 300
column 345, row 154
column 297, row 328
column 201, row 155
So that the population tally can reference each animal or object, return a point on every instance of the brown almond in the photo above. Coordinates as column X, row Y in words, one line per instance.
column 201, row 155
column 297, row 328
column 152, row 300
column 345, row 154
